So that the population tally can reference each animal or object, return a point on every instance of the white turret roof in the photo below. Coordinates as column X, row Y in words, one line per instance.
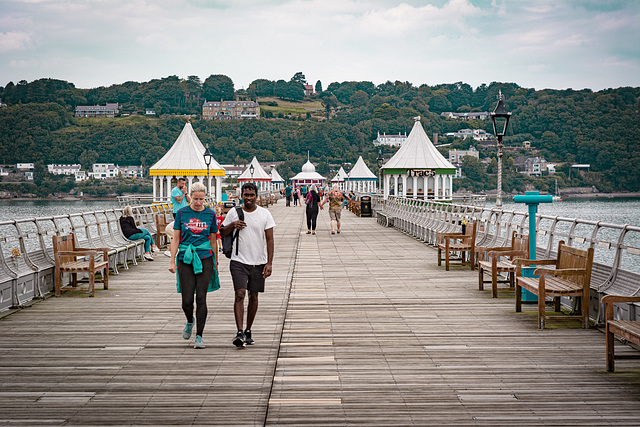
column 185, row 156
column 340, row 176
column 361, row 171
column 258, row 172
column 308, row 172
column 275, row 176
column 418, row 152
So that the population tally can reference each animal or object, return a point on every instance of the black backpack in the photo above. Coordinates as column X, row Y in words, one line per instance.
column 227, row 241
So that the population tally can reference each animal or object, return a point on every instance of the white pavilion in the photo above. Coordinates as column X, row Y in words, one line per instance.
column 418, row 170
column 361, row 179
column 339, row 179
column 185, row 159
column 260, row 177
column 277, row 182
column 308, row 176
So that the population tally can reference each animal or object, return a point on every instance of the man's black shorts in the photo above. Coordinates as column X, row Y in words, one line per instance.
column 247, row 276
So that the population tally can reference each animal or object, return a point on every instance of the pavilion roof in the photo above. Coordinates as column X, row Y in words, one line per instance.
column 258, row 172
column 340, row 176
column 360, row 171
column 185, row 157
column 418, row 152
column 308, row 172
column 275, row 176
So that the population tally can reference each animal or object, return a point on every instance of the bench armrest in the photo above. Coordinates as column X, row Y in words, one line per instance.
column 509, row 252
column 560, row 272
column 481, row 249
column 450, row 235
column 609, row 300
column 524, row 261
column 92, row 253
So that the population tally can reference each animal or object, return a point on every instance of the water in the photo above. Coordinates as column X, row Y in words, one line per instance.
column 18, row 209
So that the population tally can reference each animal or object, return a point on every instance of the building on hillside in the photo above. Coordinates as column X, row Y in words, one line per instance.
column 418, row 170
column 308, row 90
column 110, row 110
column 390, row 140
column 230, row 110
column 531, row 166
column 233, row 171
column 476, row 134
column 26, row 169
column 2, row 104
column 456, row 157
column 132, row 171
column 466, row 116
column 185, row 159
column 104, row 170
column 75, row 170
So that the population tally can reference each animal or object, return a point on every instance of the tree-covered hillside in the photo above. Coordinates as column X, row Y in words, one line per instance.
column 566, row 126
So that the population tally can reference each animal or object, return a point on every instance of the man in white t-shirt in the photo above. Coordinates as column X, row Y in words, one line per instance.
column 252, row 264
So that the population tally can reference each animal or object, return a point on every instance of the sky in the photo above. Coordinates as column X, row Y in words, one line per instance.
column 537, row 44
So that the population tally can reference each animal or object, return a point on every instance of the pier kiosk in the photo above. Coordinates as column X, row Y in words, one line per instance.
column 532, row 199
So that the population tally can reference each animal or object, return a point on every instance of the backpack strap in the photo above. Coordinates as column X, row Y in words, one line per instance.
column 240, row 213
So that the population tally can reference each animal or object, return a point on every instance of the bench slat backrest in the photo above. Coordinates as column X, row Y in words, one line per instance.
column 570, row 257
column 64, row 243
column 520, row 242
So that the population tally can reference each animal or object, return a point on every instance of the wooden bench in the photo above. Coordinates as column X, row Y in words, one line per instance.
column 571, row 277
column 66, row 256
column 161, row 225
column 626, row 329
column 465, row 244
column 519, row 249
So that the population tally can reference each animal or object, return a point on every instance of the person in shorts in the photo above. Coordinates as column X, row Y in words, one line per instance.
column 252, row 263
column 335, row 198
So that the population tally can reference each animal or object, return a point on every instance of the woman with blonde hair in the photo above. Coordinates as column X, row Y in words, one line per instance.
column 193, row 256
column 132, row 232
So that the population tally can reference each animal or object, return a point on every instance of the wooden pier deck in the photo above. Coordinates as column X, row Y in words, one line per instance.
column 360, row 328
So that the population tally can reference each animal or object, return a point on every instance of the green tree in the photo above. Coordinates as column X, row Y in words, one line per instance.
column 299, row 77
column 318, row 86
column 88, row 158
column 218, row 87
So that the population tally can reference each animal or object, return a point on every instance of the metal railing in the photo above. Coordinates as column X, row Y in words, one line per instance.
column 616, row 268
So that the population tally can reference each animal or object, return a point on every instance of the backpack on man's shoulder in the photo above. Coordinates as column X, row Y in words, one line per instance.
column 227, row 241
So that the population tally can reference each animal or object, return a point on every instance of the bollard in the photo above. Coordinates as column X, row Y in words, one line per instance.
column 532, row 199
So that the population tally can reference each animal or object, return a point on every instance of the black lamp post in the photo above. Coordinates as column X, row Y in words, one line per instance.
column 207, row 160
column 500, row 119
column 380, row 160
column 251, row 169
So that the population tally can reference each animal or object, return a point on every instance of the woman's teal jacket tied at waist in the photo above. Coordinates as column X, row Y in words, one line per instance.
column 191, row 257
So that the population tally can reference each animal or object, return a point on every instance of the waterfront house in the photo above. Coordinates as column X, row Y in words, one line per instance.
column 26, row 169
column 456, row 157
column 390, row 140
column 476, row 134
column 104, row 170
column 483, row 115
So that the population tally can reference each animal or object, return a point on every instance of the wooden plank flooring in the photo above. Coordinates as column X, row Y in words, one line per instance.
column 360, row 328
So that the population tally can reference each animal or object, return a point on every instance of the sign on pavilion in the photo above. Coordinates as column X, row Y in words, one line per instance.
column 255, row 173
column 418, row 170
column 185, row 159
column 360, row 178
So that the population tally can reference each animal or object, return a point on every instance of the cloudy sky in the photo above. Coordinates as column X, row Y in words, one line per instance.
column 534, row 43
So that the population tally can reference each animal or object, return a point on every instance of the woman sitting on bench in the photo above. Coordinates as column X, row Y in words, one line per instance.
column 132, row 232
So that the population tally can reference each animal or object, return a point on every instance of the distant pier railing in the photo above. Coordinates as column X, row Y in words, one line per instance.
column 616, row 268
column 26, row 250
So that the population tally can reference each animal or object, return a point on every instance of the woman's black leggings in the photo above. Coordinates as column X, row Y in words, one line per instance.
column 312, row 217
column 191, row 283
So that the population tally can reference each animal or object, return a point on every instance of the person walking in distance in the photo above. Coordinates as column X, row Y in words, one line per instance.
column 194, row 246
column 334, row 197
column 251, row 258
column 312, row 201
column 179, row 196
column 287, row 193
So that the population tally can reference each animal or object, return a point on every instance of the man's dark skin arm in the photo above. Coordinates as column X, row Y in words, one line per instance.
column 266, row 272
column 227, row 229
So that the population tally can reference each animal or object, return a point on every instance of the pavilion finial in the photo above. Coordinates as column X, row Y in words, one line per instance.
column 416, row 118
column 500, row 95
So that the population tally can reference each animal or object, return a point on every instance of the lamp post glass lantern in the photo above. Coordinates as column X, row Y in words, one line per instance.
column 500, row 120
column 380, row 160
column 207, row 160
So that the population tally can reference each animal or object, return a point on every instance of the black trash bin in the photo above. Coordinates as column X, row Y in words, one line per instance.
column 365, row 206
column 227, row 206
